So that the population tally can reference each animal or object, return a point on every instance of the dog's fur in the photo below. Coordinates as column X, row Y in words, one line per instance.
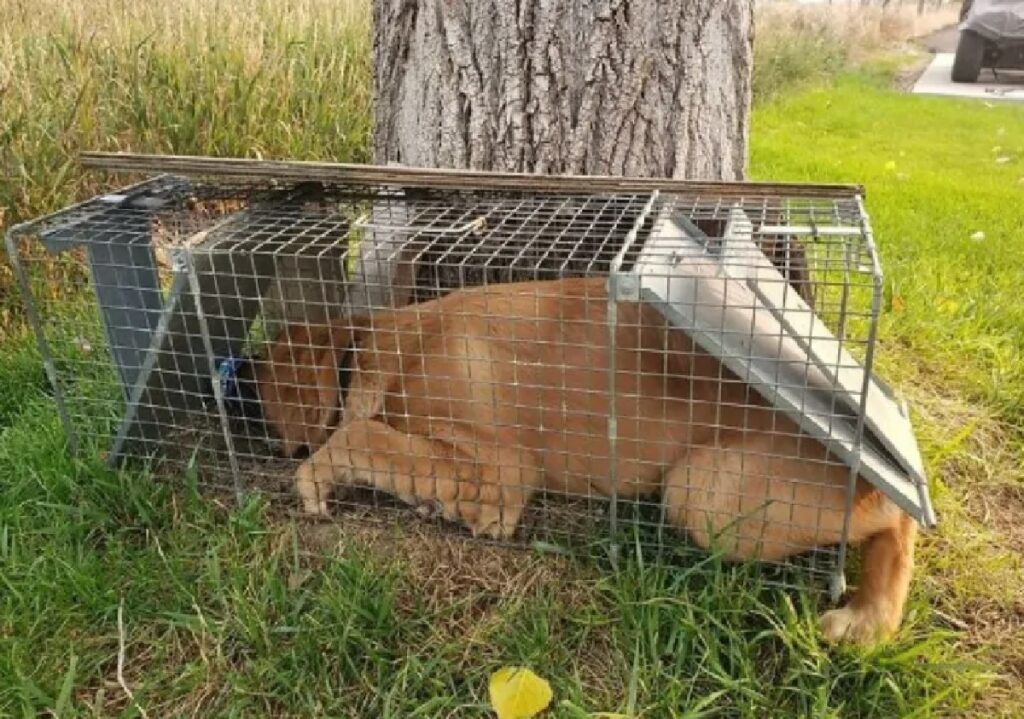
column 474, row 402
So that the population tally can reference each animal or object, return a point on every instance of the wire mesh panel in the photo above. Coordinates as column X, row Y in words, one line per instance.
column 670, row 368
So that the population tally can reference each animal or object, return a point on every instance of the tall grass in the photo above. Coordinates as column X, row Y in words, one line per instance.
column 265, row 78
column 225, row 77
column 799, row 45
column 253, row 78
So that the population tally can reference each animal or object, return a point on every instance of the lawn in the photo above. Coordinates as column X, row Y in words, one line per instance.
column 119, row 595
column 945, row 188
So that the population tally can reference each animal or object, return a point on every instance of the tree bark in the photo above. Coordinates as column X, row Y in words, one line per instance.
column 643, row 88
column 621, row 87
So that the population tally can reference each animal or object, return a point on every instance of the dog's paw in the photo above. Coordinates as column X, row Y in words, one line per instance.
column 490, row 521
column 856, row 624
column 490, row 531
column 313, row 485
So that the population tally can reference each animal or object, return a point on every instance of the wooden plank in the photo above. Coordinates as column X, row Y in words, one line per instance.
column 437, row 178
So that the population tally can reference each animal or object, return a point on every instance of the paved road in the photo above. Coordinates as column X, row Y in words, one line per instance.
column 943, row 40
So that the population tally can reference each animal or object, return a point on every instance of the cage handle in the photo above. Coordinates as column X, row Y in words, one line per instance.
column 813, row 230
column 476, row 225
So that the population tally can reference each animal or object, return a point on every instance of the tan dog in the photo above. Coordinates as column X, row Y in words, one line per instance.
column 476, row 401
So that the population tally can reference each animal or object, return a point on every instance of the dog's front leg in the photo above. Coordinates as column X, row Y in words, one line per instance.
column 484, row 485
column 365, row 452
column 317, row 477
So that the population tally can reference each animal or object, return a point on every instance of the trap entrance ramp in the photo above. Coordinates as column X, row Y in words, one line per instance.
column 738, row 307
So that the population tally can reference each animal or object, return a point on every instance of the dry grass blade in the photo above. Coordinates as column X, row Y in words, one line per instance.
column 121, row 654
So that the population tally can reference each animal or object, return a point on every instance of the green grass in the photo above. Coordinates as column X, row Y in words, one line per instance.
column 937, row 172
column 241, row 612
column 932, row 177
column 231, row 613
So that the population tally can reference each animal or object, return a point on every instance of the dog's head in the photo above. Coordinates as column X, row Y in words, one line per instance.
column 294, row 392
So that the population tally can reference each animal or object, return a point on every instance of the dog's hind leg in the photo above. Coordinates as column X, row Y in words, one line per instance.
column 483, row 484
column 768, row 496
column 757, row 496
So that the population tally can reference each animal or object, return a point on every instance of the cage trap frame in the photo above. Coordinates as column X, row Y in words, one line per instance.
column 781, row 283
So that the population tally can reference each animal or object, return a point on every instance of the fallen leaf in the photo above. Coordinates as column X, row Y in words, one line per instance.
column 518, row 693
column 898, row 305
column 978, row 236
column 890, row 165
column 1002, row 160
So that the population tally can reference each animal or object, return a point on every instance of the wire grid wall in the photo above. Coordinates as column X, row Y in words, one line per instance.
column 369, row 352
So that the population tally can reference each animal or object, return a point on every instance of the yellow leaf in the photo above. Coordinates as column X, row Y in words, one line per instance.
column 518, row 693
column 890, row 165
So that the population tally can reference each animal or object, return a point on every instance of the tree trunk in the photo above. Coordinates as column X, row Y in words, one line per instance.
column 627, row 87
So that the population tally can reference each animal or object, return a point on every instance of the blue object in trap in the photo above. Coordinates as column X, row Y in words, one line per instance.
column 227, row 371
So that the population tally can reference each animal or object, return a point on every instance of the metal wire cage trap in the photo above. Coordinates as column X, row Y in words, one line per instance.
column 560, row 351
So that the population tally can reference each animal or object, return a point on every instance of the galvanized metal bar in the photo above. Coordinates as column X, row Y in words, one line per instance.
column 634, row 232
column 225, row 424
column 812, row 230
column 35, row 321
column 838, row 586
column 928, row 518
column 142, row 379
column 613, row 430
column 613, row 327
column 362, row 223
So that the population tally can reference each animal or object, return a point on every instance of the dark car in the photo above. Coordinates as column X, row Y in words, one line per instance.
column 991, row 35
